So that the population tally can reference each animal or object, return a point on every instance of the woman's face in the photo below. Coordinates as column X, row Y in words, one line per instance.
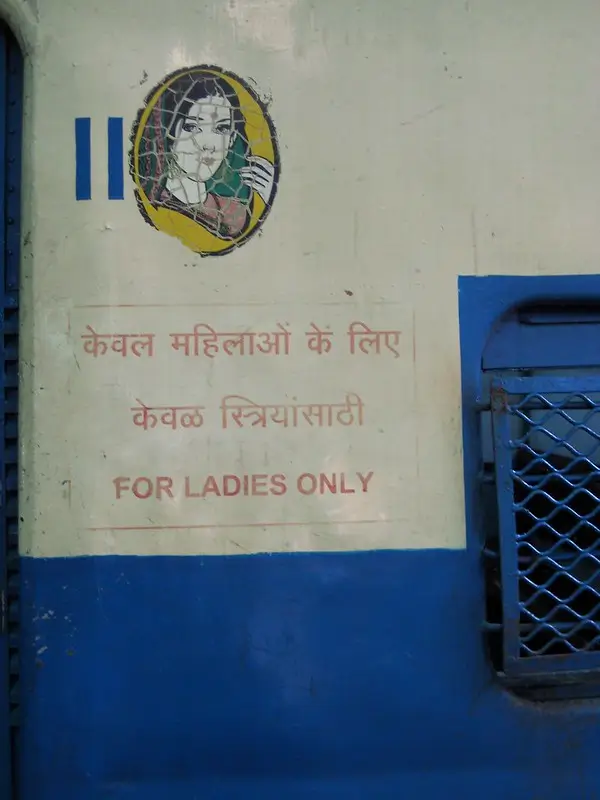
column 202, row 138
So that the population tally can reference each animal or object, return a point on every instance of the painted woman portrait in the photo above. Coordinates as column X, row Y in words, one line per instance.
column 205, row 154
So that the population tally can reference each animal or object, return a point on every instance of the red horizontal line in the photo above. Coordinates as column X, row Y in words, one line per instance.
column 197, row 305
column 235, row 305
column 238, row 525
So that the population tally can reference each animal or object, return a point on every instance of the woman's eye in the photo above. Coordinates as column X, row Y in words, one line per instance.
column 223, row 130
column 191, row 127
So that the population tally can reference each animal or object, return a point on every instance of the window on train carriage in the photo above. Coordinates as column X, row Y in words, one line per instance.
column 540, row 499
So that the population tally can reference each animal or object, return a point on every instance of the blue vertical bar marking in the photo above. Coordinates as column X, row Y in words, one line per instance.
column 115, row 158
column 83, row 158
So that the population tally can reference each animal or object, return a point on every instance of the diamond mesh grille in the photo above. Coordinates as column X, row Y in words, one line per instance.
column 547, row 441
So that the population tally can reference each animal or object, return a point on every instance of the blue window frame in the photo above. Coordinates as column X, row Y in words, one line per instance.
column 531, row 430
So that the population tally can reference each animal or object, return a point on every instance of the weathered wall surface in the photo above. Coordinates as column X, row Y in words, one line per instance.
column 417, row 142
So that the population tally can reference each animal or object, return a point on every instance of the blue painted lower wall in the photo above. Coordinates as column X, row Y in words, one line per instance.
column 357, row 675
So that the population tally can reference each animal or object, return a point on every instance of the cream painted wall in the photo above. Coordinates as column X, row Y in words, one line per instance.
column 419, row 140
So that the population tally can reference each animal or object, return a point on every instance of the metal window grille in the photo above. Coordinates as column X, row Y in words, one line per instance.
column 546, row 438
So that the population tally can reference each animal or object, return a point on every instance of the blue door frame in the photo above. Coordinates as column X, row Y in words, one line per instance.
column 11, row 101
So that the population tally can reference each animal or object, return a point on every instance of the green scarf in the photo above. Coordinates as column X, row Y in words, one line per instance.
column 227, row 182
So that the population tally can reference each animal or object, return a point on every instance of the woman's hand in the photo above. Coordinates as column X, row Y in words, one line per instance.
column 259, row 175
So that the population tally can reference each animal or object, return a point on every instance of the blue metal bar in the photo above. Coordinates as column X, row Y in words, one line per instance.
column 508, row 536
column 544, row 384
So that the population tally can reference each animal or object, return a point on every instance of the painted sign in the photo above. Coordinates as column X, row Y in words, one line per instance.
column 204, row 160
column 266, row 424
